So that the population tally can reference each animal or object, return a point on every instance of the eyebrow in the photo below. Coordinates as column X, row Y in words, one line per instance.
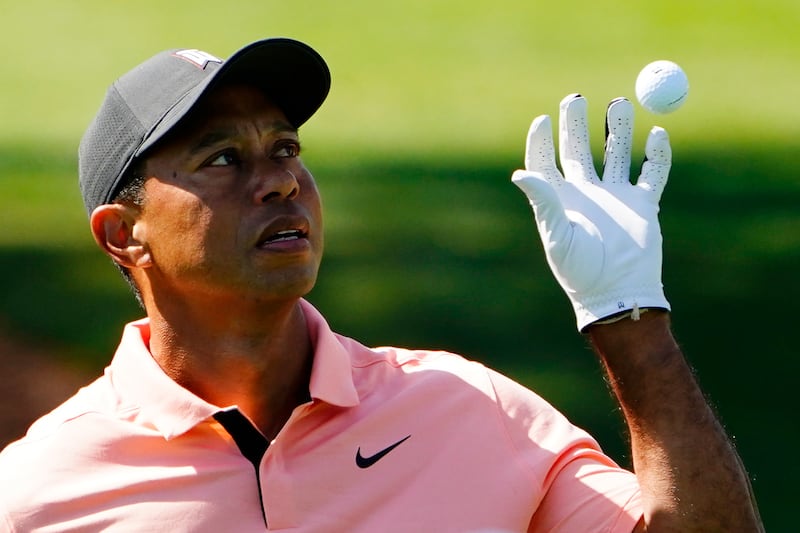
column 219, row 135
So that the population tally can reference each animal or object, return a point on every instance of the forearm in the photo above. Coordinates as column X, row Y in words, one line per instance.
column 691, row 477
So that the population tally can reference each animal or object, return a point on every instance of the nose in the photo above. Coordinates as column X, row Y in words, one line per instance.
column 276, row 184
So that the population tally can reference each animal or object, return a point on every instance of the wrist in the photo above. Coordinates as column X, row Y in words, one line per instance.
column 649, row 337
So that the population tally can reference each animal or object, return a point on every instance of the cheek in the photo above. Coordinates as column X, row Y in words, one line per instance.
column 313, row 203
column 180, row 231
column 311, row 196
column 315, row 206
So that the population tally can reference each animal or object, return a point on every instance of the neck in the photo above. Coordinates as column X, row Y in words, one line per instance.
column 257, row 357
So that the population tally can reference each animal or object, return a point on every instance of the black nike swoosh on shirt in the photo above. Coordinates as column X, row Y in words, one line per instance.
column 366, row 462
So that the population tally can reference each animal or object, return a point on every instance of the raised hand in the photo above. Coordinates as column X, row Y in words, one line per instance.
column 601, row 237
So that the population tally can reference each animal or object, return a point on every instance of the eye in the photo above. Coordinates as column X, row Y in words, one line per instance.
column 223, row 159
column 286, row 149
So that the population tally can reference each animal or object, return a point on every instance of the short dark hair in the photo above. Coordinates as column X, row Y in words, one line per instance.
column 133, row 190
column 132, row 193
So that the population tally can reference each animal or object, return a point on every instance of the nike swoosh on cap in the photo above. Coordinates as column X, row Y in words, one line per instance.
column 366, row 462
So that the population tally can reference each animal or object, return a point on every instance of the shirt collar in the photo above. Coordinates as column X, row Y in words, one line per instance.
column 174, row 410
column 331, row 372
column 140, row 381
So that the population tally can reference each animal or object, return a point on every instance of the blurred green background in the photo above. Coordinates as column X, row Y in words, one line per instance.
column 428, row 243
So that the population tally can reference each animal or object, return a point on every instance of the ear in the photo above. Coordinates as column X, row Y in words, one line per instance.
column 113, row 230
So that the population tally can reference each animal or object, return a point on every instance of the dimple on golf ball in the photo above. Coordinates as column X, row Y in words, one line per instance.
column 662, row 87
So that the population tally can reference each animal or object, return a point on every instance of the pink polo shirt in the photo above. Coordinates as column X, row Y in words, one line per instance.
column 393, row 440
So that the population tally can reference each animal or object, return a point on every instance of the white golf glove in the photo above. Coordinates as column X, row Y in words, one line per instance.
column 601, row 237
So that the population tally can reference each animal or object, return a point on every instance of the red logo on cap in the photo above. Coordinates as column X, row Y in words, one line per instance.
column 197, row 58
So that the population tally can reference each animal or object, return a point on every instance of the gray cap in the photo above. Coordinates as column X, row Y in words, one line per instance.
column 147, row 102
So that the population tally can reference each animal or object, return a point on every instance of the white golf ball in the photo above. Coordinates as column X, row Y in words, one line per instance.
column 662, row 87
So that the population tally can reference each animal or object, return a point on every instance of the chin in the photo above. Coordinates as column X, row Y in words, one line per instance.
column 288, row 286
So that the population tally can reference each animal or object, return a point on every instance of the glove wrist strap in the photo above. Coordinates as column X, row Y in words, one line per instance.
column 634, row 314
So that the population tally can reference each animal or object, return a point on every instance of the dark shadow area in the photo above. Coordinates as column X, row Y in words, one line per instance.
column 441, row 255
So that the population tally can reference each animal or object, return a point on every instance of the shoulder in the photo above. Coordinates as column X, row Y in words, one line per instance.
column 94, row 398
column 54, row 441
column 419, row 366
column 442, row 366
column 437, row 374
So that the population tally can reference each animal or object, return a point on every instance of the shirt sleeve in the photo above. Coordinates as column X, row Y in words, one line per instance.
column 578, row 487
column 589, row 494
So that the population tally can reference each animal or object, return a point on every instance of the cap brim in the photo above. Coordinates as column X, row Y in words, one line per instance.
column 292, row 74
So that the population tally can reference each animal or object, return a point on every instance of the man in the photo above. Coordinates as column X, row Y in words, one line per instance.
column 233, row 407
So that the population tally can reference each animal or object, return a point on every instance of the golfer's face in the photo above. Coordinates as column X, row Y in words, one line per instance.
column 230, row 208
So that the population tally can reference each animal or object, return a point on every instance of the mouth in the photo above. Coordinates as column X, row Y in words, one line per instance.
column 284, row 234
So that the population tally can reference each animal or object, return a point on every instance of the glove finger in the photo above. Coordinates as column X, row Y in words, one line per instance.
column 540, row 154
column 619, row 138
column 657, row 163
column 573, row 139
column 551, row 219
